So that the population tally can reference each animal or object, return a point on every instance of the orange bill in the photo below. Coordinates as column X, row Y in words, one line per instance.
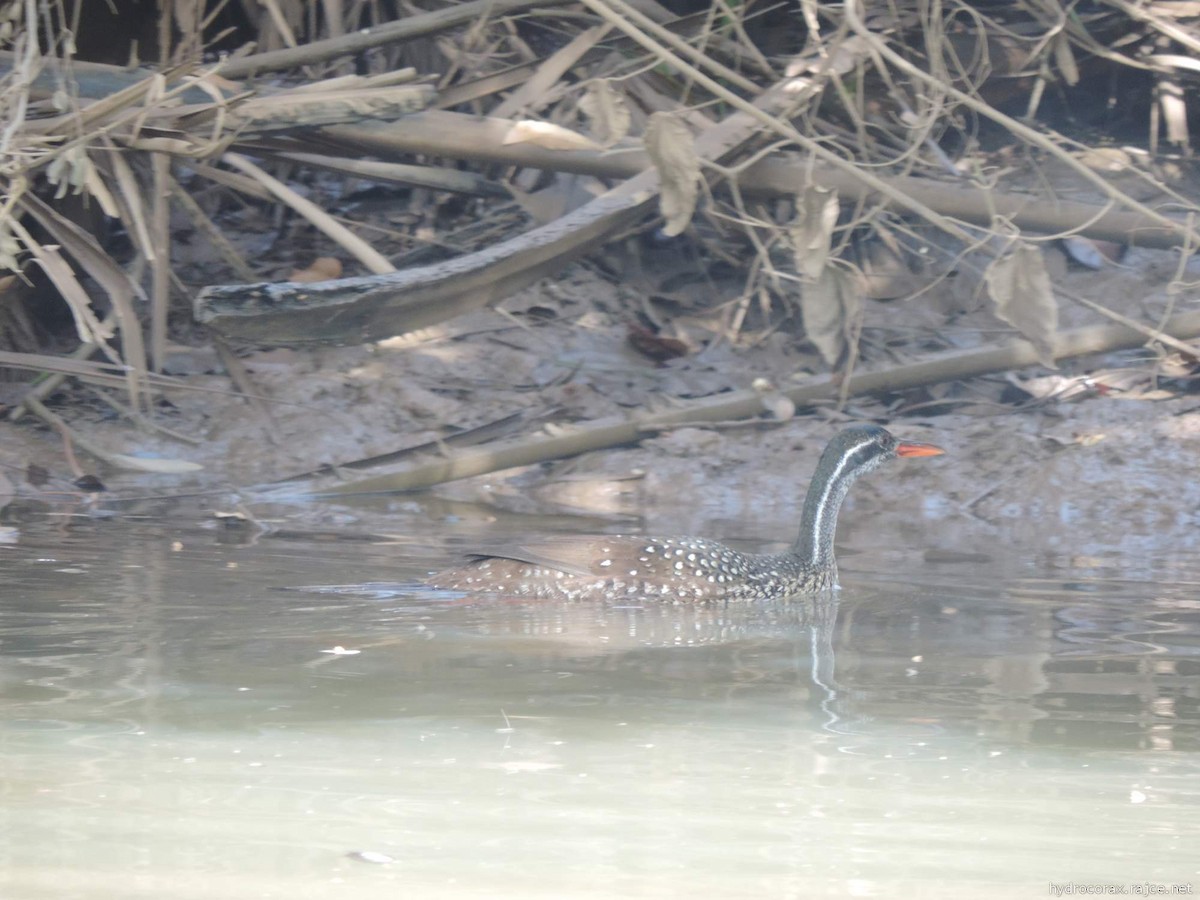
column 916, row 448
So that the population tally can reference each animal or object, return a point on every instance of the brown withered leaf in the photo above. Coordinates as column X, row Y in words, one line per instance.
column 90, row 483
column 657, row 347
column 811, row 233
column 780, row 406
column 157, row 465
column 605, row 108
column 323, row 268
column 670, row 147
column 831, row 306
column 1020, row 286
column 1066, row 60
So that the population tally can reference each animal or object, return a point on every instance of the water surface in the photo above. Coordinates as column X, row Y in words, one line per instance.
column 173, row 725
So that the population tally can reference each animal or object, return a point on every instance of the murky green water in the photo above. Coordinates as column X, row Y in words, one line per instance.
column 174, row 727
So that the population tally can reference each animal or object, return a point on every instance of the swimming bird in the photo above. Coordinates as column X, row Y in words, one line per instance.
column 613, row 567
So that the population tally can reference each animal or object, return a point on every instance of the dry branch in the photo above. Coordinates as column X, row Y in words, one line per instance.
column 333, row 229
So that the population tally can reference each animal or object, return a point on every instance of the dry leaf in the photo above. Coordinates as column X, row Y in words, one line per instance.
column 780, row 406
column 1084, row 251
column 362, row 250
column 134, row 202
column 606, row 110
column 10, row 249
column 1106, row 159
column 657, row 347
column 830, row 306
column 323, row 268
column 88, row 327
column 1174, row 110
column 889, row 269
column 812, row 231
column 547, row 135
column 1066, row 60
column 565, row 193
column 1020, row 286
column 69, row 171
column 97, row 187
column 90, row 484
column 156, row 465
column 670, row 147
column 120, row 289
column 846, row 56
column 174, row 146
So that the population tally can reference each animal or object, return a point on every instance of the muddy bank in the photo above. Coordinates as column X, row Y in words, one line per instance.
column 1096, row 457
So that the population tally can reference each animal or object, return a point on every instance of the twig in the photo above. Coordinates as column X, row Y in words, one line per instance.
column 550, row 73
column 142, row 420
column 437, row 178
column 380, row 36
column 335, row 230
column 635, row 24
column 1152, row 334
column 160, row 264
column 69, row 436
column 232, row 257
column 241, row 379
